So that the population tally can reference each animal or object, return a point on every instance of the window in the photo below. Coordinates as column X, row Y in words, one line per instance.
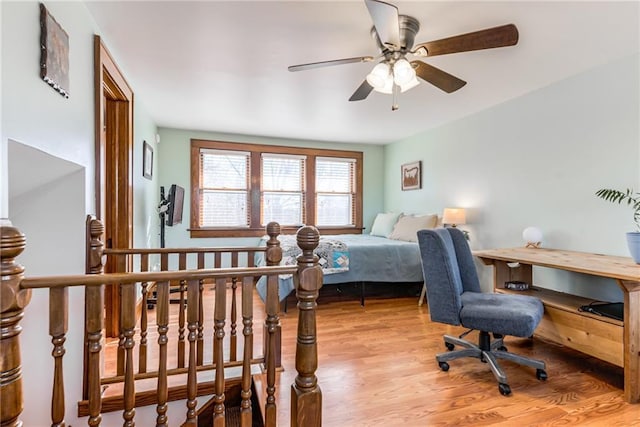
column 282, row 194
column 238, row 188
column 224, row 187
column 335, row 191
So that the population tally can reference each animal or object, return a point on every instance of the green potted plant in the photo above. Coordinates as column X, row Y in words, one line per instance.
column 631, row 199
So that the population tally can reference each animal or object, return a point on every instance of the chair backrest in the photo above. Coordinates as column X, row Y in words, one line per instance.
column 449, row 270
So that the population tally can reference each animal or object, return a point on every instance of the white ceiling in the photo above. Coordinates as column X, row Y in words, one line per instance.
column 222, row 66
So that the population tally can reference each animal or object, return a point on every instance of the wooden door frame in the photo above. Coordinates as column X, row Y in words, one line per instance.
column 114, row 168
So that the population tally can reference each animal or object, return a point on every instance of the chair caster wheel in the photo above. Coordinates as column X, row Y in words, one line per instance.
column 444, row 366
column 502, row 348
column 150, row 306
column 449, row 346
column 505, row 390
column 541, row 374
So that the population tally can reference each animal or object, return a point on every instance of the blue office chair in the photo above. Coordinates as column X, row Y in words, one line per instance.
column 454, row 297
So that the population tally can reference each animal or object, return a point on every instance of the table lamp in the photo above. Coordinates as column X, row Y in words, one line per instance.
column 533, row 237
column 454, row 216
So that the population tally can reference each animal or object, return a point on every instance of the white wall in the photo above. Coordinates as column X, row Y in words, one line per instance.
column 51, row 216
column 536, row 160
column 49, row 142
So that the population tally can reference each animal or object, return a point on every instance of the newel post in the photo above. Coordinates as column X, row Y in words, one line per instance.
column 13, row 300
column 94, row 320
column 274, row 251
column 306, row 396
column 273, row 256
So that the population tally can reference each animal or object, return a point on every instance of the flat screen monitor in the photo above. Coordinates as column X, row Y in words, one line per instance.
column 176, row 202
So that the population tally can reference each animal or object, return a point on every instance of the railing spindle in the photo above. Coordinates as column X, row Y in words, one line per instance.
column 94, row 303
column 128, row 328
column 306, row 396
column 219, row 316
column 12, row 305
column 182, row 265
column 200, row 340
column 162, row 320
column 233, row 339
column 246, row 412
column 192, row 326
column 58, row 326
column 271, row 322
column 142, row 360
column 233, row 333
column 121, row 339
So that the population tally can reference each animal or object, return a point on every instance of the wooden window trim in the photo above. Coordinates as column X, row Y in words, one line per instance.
column 256, row 229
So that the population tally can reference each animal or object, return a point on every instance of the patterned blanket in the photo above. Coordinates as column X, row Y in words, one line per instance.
column 333, row 254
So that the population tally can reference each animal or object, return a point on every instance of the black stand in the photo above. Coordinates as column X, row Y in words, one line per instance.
column 162, row 208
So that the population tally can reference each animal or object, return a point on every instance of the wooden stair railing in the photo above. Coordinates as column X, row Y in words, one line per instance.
column 16, row 292
column 179, row 259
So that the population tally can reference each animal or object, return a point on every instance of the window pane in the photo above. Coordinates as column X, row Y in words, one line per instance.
column 224, row 209
column 285, row 208
column 334, row 209
column 224, row 171
column 334, row 176
column 281, row 173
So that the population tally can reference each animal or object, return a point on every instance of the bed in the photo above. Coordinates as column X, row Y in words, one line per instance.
column 362, row 258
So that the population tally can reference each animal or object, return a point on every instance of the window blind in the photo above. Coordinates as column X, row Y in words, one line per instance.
column 282, row 195
column 335, row 191
column 224, row 184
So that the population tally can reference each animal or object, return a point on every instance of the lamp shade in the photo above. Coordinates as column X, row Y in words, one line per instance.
column 379, row 75
column 403, row 72
column 454, row 216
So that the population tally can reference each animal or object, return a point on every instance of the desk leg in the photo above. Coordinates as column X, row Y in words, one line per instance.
column 631, row 341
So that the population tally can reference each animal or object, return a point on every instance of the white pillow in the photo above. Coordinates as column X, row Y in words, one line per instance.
column 383, row 224
column 408, row 225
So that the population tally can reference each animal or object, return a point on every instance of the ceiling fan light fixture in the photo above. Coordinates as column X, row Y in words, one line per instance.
column 379, row 76
column 403, row 72
column 410, row 84
column 388, row 86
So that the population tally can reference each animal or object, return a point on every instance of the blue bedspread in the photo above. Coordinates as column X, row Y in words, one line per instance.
column 371, row 259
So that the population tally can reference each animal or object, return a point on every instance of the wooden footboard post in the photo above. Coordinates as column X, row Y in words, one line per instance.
column 273, row 256
column 306, row 396
column 13, row 300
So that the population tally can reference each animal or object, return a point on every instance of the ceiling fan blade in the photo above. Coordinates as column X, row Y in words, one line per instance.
column 385, row 19
column 320, row 64
column 440, row 79
column 362, row 92
column 505, row 35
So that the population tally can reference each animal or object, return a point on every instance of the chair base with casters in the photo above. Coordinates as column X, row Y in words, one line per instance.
column 488, row 351
column 455, row 298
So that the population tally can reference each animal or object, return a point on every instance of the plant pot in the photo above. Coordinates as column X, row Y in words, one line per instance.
column 633, row 241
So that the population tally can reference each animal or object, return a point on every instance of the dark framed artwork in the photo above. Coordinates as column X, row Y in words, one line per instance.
column 54, row 53
column 411, row 176
column 147, row 160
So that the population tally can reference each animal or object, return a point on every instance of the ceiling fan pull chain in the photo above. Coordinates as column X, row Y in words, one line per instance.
column 395, row 90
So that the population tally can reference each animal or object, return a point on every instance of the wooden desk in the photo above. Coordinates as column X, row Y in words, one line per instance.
column 607, row 339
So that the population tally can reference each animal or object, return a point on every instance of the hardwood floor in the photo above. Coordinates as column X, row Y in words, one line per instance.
column 377, row 368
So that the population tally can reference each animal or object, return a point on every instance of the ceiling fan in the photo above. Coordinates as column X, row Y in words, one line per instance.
column 395, row 35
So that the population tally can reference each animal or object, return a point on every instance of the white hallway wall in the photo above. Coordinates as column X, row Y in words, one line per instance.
column 47, row 131
column 537, row 161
